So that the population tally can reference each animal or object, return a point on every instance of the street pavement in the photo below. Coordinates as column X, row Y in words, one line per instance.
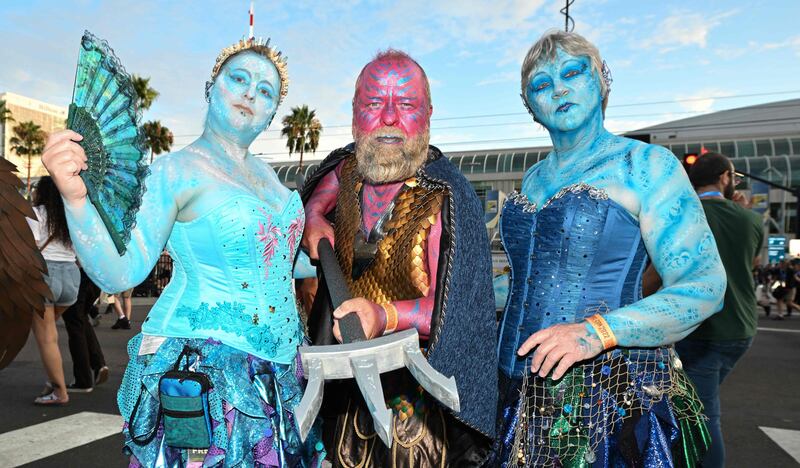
column 760, row 402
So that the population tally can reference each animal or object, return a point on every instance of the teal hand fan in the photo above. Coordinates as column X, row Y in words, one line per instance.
column 103, row 111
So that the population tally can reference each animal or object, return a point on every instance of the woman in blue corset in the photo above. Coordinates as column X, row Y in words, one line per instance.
column 588, row 375
column 232, row 230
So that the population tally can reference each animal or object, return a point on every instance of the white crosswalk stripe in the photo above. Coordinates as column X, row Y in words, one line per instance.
column 787, row 439
column 45, row 439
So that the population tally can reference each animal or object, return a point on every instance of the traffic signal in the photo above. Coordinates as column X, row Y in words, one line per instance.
column 688, row 160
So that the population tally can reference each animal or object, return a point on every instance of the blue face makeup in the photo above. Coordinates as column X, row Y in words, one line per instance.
column 564, row 93
column 647, row 181
column 244, row 97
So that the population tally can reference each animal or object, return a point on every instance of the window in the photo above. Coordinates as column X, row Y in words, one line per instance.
column 779, row 164
column 782, row 146
column 504, row 164
column 711, row 146
column 290, row 174
column 693, row 148
column 279, row 170
column 745, row 149
column 491, row 163
column 531, row 159
column 795, row 145
column 311, row 169
column 678, row 150
column 763, row 148
column 469, row 165
column 757, row 167
column 794, row 162
column 727, row 148
column 518, row 163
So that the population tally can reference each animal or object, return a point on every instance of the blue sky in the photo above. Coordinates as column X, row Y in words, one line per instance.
column 706, row 54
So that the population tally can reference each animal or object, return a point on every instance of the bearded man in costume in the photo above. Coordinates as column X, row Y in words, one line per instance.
column 408, row 233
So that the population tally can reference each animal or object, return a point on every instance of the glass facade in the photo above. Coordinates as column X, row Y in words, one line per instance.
column 753, row 156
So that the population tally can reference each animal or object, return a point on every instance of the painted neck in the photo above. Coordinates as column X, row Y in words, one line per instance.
column 580, row 142
column 231, row 146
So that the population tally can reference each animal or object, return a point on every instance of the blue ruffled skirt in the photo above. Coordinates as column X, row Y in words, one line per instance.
column 251, row 406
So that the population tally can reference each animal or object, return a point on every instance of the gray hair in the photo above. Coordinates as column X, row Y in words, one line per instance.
column 574, row 44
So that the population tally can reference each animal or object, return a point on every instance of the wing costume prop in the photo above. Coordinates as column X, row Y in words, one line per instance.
column 22, row 268
column 103, row 111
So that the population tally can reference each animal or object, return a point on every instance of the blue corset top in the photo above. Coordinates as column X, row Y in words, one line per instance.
column 578, row 255
column 232, row 279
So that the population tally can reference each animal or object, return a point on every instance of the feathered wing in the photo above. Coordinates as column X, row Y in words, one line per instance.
column 22, row 268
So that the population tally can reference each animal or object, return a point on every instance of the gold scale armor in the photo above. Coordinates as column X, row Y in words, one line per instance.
column 396, row 273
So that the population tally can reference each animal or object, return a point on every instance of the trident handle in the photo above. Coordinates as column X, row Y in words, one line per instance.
column 350, row 324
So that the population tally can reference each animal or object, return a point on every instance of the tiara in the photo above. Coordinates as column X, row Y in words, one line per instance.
column 259, row 46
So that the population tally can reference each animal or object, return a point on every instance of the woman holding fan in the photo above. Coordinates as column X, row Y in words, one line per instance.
column 233, row 232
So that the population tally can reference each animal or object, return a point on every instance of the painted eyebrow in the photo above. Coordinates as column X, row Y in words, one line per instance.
column 573, row 60
column 538, row 74
column 268, row 84
column 243, row 70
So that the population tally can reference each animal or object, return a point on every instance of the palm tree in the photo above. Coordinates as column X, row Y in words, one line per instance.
column 5, row 116
column 28, row 140
column 158, row 138
column 302, row 130
column 145, row 95
column 5, row 113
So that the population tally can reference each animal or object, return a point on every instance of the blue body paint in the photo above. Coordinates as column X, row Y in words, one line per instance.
column 188, row 184
column 647, row 181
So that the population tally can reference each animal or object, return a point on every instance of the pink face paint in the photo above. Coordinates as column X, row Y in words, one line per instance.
column 391, row 94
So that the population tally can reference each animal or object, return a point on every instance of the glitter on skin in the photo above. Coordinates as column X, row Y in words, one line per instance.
column 646, row 180
column 194, row 181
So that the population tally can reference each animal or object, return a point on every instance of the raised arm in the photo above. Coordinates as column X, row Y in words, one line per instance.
column 64, row 159
column 683, row 252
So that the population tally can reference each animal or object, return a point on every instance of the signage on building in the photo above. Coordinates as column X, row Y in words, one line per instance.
column 492, row 206
column 760, row 196
column 776, row 248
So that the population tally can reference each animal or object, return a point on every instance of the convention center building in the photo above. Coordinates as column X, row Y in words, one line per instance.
column 763, row 140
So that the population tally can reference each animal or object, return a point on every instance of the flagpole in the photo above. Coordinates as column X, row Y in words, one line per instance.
column 252, row 12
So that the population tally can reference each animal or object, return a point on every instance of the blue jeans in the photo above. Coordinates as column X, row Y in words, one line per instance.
column 708, row 363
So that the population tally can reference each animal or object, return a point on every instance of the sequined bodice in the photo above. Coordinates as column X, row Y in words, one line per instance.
column 579, row 255
column 232, row 278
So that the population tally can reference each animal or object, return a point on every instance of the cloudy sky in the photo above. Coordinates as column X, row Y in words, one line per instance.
column 669, row 60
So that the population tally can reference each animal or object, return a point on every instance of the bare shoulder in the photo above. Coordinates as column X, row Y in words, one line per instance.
column 171, row 162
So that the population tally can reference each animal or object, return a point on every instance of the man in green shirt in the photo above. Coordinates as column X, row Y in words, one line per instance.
column 711, row 351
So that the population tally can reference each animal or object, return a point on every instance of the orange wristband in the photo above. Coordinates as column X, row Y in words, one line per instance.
column 391, row 317
column 600, row 325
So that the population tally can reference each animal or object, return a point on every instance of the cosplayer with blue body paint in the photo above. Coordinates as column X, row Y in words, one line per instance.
column 233, row 231
column 592, row 361
column 408, row 233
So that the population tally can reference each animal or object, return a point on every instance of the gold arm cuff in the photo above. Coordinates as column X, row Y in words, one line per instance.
column 391, row 317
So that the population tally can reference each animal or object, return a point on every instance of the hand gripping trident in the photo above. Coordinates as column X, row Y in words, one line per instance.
column 365, row 360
